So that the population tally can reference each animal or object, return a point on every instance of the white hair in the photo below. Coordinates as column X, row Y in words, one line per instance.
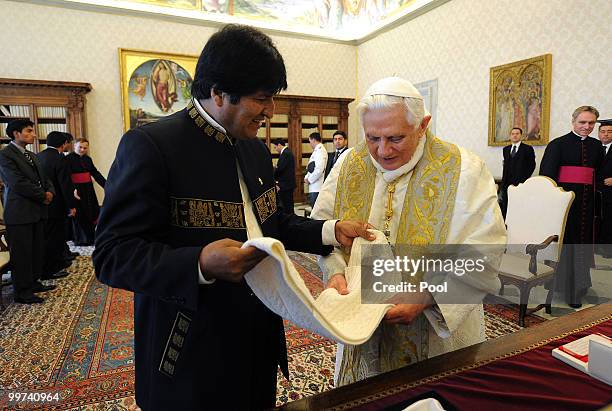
column 415, row 109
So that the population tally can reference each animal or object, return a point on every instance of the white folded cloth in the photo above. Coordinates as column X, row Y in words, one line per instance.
column 342, row 318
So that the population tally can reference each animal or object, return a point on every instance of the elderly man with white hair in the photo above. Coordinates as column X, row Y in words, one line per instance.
column 418, row 190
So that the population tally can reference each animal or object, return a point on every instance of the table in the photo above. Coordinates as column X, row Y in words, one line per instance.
column 513, row 372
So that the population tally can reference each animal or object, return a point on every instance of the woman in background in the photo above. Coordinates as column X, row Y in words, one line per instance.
column 83, row 169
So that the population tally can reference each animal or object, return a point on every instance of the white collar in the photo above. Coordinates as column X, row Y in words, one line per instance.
column 207, row 116
column 581, row 138
column 516, row 144
column 390, row 175
column 318, row 146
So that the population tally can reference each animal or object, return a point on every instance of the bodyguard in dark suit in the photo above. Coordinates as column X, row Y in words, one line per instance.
column 519, row 163
column 27, row 192
column 284, row 174
column 63, row 205
column 173, row 223
column 341, row 145
column 604, row 177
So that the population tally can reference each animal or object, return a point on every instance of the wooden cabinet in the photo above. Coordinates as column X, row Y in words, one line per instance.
column 295, row 118
column 51, row 105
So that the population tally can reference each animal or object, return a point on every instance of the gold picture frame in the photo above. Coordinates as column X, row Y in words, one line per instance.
column 154, row 85
column 519, row 96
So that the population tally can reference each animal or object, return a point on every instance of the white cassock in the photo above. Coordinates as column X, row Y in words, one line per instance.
column 476, row 219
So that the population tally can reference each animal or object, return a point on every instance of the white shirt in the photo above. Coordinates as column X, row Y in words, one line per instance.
column 607, row 147
column 252, row 226
column 315, row 179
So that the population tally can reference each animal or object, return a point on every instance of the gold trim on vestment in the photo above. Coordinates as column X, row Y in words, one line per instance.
column 425, row 219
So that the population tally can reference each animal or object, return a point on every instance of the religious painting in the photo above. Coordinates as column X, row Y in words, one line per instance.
column 519, row 96
column 179, row 4
column 154, row 85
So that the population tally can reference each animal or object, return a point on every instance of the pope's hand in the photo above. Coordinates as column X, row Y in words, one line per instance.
column 338, row 282
column 225, row 260
column 346, row 231
column 404, row 313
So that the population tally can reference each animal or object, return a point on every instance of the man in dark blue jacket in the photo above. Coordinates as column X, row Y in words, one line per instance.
column 182, row 196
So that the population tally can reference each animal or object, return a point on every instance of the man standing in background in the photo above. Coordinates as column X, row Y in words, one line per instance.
column 284, row 174
column 316, row 167
column 63, row 205
column 604, row 185
column 341, row 145
column 519, row 163
column 27, row 193
column 572, row 161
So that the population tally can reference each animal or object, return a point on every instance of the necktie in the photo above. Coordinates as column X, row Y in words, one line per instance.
column 513, row 151
column 29, row 158
column 336, row 157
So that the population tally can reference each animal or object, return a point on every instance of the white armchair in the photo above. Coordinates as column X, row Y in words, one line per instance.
column 537, row 211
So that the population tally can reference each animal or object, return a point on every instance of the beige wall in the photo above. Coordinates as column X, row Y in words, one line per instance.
column 456, row 43
column 53, row 43
column 459, row 41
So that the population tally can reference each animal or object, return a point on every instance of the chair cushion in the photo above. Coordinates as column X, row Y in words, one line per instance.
column 518, row 266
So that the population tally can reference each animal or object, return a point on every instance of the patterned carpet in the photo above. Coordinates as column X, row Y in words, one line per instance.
column 80, row 344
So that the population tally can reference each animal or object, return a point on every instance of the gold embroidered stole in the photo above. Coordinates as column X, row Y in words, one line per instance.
column 425, row 219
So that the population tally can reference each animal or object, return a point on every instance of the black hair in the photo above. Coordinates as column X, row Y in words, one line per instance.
column 341, row 133
column 239, row 60
column 56, row 139
column 18, row 125
column 518, row 128
column 278, row 141
column 315, row 136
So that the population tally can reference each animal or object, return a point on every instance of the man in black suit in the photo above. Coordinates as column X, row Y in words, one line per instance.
column 172, row 228
column 284, row 174
column 519, row 163
column 57, row 168
column 341, row 145
column 604, row 177
column 27, row 193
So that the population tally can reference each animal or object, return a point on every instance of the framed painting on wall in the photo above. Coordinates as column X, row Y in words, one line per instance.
column 154, row 85
column 519, row 96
